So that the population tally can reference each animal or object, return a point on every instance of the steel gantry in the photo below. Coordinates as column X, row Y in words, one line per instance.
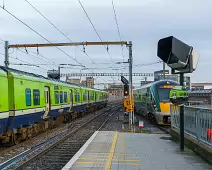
column 128, row 44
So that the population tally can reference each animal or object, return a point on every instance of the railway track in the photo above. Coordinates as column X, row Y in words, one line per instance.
column 153, row 127
column 56, row 152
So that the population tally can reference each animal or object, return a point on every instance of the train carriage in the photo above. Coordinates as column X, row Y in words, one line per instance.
column 152, row 100
column 4, row 104
column 31, row 103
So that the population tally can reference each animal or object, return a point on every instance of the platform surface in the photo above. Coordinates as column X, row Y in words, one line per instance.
column 134, row 151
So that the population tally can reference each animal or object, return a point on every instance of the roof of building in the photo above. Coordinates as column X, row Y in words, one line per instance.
column 200, row 84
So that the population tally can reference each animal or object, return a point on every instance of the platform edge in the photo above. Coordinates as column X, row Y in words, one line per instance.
column 79, row 153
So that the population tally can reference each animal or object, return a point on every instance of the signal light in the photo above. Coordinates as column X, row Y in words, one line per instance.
column 126, row 90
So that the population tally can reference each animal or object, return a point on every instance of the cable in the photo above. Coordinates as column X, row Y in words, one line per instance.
column 140, row 65
column 58, row 29
column 31, row 54
column 36, row 57
column 43, row 57
column 40, row 35
column 117, row 25
column 28, row 63
column 95, row 30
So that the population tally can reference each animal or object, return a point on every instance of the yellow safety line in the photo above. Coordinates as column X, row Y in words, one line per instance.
column 91, row 158
column 90, row 162
column 128, row 164
column 115, row 156
column 125, row 155
column 101, row 163
column 126, row 160
column 112, row 150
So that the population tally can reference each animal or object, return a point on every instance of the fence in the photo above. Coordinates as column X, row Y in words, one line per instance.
column 197, row 122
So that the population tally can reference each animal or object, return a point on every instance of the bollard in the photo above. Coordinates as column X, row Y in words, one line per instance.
column 209, row 132
column 141, row 124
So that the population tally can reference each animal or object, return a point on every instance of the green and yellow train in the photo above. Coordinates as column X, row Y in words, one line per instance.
column 153, row 101
column 31, row 103
column 178, row 95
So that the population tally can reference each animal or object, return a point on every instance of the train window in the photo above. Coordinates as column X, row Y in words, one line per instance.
column 91, row 96
column 65, row 97
column 28, row 97
column 75, row 97
column 61, row 97
column 57, row 99
column 78, row 97
column 85, row 96
column 36, row 97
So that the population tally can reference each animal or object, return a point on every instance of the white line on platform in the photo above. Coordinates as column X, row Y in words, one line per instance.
column 79, row 153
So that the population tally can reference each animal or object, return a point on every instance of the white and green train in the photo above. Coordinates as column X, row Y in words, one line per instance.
column 31, row 103
column 153, row 100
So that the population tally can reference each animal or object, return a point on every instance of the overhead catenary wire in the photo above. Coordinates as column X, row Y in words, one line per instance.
column 43, row 36
column 28, row 63
column 40, row 35
column 95, row 30
column 117, row 25
column 37, row 58
column 57, row 29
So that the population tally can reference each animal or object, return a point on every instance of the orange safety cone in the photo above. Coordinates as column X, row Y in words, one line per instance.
column 209, row 132
column 141, row 124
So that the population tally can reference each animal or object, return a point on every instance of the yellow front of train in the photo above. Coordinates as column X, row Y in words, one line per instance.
column 163, row 116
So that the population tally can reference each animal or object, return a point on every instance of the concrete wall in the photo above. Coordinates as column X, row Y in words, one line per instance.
column 201, row 149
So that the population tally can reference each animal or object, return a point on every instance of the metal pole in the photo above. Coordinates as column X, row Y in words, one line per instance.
column 130, row 78
column 59, row 71
column 164, row 70
column 181, row 117
column 6, row 62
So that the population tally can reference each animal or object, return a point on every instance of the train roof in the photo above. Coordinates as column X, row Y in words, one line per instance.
column 156, row 83
column 3, row 74
column 40, row 77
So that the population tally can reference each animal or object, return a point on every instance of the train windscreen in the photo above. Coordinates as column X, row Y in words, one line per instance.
column 163, row 94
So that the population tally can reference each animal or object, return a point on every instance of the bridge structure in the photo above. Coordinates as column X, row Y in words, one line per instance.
column 106, row 74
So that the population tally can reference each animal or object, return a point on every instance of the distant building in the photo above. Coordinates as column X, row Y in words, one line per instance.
column 115, row 89
column 89, row 82
column 74, row 81
column 158, row 75
column 201, row 86
column 145, row 82
column 200, row 97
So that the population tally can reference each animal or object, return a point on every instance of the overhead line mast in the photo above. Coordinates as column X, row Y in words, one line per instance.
column 128, row 44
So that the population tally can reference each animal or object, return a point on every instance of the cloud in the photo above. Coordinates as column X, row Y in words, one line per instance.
column 142, row 22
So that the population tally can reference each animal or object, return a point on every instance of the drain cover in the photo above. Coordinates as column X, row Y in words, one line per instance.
column 166, row 137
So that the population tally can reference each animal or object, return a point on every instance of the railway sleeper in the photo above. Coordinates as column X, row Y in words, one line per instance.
column 19, row 135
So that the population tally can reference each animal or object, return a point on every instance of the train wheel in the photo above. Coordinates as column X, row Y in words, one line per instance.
column 15, row 139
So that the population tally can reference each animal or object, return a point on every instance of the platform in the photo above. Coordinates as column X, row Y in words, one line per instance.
column 132, row 151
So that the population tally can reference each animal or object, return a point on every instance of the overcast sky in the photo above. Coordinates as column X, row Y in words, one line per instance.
column 142, row 22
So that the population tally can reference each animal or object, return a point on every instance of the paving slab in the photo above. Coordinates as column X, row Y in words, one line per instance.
column 134, row 151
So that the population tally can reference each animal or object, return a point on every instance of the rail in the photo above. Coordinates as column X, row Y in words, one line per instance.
column 23, row 159
column 197, row 122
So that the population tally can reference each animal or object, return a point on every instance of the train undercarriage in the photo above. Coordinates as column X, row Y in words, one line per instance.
column 24, row 133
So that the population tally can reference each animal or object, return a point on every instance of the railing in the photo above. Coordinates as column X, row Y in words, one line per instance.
column 197, row 122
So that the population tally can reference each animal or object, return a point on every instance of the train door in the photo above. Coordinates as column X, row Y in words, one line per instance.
column 71, row 99
column 47, row 98
column 88, row 96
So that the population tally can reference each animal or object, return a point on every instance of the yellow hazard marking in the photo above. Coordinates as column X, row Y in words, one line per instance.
column 118, row 160
column 101, row 163
column 112, row 150
column 128, row 164
column 90, row 162
column 124, row 155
